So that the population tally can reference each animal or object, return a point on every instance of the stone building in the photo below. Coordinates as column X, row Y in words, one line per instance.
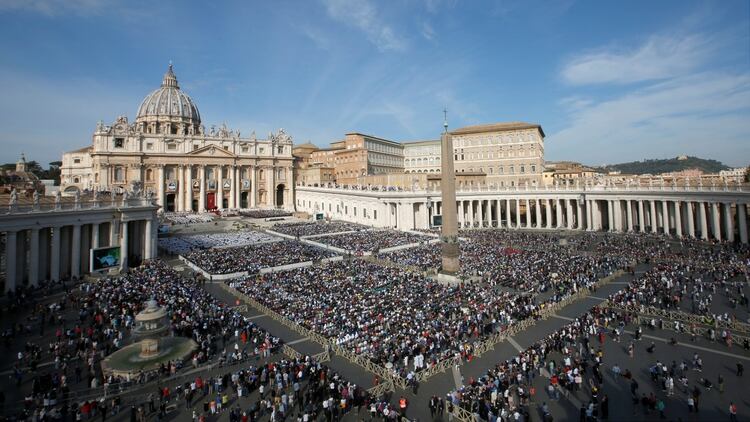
column 360, row 155
column 168, row 151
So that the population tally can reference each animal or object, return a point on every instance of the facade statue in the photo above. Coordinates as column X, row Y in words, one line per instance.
column 13, row 198
column 36, row 199
column 77, row 198
column 58, row 199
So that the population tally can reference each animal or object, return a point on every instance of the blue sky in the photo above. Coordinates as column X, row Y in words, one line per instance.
column 609, row 81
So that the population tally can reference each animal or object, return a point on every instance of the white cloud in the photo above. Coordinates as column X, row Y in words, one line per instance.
column 361, row 14
column 703, row 114
column 318, row 37
column 427, row 31
column 660, row 57
column 54, row 7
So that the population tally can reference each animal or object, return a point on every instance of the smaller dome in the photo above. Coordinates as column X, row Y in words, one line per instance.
column 169, row 102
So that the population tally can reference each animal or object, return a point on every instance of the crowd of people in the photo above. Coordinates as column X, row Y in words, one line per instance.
column 371, row 240
column 253, row 258
column 306, row 228
column 264, row 213
column 387, row 314
column 106, row 312
column 180, row 245
column 188, row 218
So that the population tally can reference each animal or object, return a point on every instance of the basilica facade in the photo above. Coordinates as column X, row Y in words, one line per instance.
column 168, row 152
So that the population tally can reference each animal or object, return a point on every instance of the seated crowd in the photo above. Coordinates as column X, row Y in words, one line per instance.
column 371, row 240
column 188, row 218
column 306, row 228
column 263, row 213
column 179, row 245
column 387, row 314
column 252, row 258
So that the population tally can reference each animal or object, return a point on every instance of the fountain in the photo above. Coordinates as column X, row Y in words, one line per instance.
column 152, row 349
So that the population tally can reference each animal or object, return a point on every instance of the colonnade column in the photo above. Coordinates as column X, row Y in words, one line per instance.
column 728, row 222
column 629, row 209
column 702, row 217
column 123, row 245
column 11, row 240
column 611, row 215
column 548, row 213
column 590, row 215
column 742, row 214
column 507, row 213
column 33, row 257
column 518, row 213
column 480, row 212
column 690, row 219
column 75, row 252
column 162, row 197
column 538, row 212
column 569, row 212
column 641, row 217
column 652, row 207
column 677, row 219
column 147, row 253
column 580, row 214
column 716, row 221
column 471, row 213
column 498, row 213
column 54, row 258
column 665, row 216
column 202, row 197
column 95, row 235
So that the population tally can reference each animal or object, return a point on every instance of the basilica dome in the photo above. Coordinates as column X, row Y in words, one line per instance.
column 169, row 104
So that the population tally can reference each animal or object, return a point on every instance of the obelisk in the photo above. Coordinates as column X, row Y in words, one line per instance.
column 449, row 230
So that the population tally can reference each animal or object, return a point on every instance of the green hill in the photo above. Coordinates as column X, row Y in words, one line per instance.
column 665, row 166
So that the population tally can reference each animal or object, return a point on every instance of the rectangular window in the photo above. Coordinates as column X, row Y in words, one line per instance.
column 244, row 149
column 374, row 214
column 149, row 146
column 522, row 169
column 76, row 161
column 171, row 147
column 119, row 142
column 533, row 169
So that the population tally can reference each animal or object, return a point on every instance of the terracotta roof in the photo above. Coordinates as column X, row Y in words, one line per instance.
column 306, row 145
column 495, row 127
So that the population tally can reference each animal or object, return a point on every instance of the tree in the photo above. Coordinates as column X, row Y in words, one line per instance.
column 55, row 164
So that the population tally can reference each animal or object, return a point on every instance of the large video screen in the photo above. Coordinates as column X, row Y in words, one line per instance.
column 103, row 258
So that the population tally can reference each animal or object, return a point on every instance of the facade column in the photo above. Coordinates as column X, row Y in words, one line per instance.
column 702, row 218
column 654, row 224
column 641, row 217
column 189, row 188
column 220, row 187
column 34, row 263
column 728, row 222
column 54, row 257
column 11, row 242
column 690, row 219
column 253, row 188
column 162, row 197
column 179, row 197
column 677, row 219
column 742, row 216
column 147, row 235
column 123, row 245
column 716, row 220
column 232, row 186
column 665, row 216
column 202, row 197
column 75, row 252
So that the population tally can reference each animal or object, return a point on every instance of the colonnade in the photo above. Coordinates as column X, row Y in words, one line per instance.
column 55, row 244
column 705, row 214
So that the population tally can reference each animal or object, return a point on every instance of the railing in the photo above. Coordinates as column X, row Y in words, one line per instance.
column 687, row 319
column 46, row 206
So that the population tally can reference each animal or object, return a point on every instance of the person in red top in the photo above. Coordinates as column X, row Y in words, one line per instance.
column 402, row 405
